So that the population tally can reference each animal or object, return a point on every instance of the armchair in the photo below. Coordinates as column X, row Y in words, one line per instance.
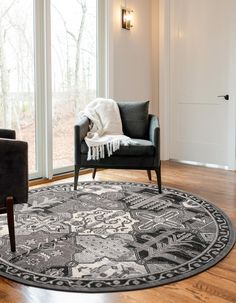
column 13, row 177
column 137, row 124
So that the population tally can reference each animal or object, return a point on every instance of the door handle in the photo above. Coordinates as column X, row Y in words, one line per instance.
column 226, row 97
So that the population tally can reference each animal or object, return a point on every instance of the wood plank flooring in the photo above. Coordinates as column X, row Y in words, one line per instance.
column 216, row 285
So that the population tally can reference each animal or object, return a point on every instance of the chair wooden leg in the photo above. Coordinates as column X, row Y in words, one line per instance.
column 149, row 175
column 76, row 176
column 10, row 222
column 94, row 173
column 158, row 173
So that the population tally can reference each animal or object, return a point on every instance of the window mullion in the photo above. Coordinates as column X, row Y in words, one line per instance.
column 43, row 88
column 39, row 86
column 48, row 90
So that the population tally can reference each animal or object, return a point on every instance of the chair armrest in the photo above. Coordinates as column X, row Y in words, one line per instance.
column 14, row 169
column 154, row 130
column 7, row 134
column 81, row 130
column 154, row 137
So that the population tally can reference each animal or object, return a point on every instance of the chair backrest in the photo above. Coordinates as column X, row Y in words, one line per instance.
column 134, row 116
column 7, row 133
column 13, row 170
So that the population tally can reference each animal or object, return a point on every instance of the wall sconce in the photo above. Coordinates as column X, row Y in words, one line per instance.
column 126, row 18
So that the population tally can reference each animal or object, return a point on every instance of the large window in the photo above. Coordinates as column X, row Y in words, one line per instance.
column 48, row 73
column 73, row 39
column 17, row 98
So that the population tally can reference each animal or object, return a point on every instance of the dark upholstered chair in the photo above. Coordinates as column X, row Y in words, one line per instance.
column 13, row 177
column 138, row 125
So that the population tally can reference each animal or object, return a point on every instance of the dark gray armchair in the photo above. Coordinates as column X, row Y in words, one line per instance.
column 13, row 177
column 138, row 125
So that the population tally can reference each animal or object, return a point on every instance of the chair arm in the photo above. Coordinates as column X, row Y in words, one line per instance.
column 154, row 130
column 154, row 137
column 81, row 130
column 7, row 134
column 14, row 169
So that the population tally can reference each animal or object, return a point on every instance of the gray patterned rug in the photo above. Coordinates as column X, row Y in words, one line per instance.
column 112, row 236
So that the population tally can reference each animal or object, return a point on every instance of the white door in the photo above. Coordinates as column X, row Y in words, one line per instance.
column 203, row 67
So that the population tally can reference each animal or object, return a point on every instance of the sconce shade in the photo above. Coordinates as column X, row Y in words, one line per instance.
column 126, row 19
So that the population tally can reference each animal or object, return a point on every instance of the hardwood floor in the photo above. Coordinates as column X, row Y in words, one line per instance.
column 216, row 285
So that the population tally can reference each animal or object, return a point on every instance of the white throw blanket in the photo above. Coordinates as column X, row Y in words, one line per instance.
column 105, row 129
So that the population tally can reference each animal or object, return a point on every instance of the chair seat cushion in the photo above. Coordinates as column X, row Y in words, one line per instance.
column 141, row 148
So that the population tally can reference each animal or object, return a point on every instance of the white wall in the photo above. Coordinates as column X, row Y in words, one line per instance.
column 131, row 52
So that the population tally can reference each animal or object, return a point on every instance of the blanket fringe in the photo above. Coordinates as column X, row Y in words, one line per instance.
column 98, row 152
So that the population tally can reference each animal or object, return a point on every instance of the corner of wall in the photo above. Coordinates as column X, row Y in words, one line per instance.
column 155, row 55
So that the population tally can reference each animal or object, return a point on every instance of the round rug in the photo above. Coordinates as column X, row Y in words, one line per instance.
column 112, row 236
